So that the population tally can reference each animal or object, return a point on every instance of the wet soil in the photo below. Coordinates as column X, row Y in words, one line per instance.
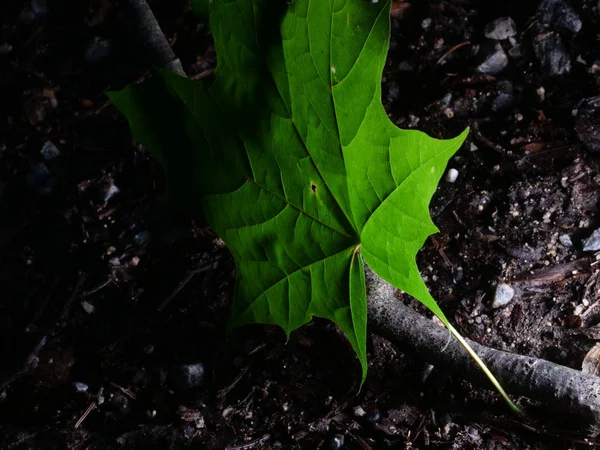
column 113, row 306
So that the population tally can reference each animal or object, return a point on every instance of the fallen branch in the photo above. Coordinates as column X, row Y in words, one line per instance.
column 535, row 378
column 150, row 38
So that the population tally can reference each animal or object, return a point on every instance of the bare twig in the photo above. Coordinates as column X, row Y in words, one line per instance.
column 124, row 391
column 89, row 409
column 96, row 288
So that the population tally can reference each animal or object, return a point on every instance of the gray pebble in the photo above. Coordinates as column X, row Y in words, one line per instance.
column 80, row 387
column 495, row 62
column 504, row 294
column 552, row 54
column 49, row 151
column 565, row 240
column 592, row 243
column 187, row 376
column 88, row 307
column 451, row 175
column 359, row 411
column 500, row 29
column 559, row 14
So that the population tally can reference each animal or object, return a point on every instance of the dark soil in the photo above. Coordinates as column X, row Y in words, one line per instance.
column 103, row 284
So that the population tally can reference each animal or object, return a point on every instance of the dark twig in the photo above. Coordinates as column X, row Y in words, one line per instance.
column 73, row 297
column 452, row 50
column 188, row 277
column 250, row 444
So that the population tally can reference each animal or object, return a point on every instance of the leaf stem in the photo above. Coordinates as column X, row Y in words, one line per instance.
column 485, row 370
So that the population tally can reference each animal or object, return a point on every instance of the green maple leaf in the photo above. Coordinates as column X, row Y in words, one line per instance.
column 291, row 156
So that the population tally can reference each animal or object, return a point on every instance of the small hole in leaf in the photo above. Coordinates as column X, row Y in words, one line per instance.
column 313, row 187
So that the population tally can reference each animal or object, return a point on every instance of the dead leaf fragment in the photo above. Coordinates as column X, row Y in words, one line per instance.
column 591, row 362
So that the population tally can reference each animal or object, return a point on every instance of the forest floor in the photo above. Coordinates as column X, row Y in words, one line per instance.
column 113, row 307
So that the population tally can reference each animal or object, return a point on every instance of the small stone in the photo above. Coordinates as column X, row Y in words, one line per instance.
column 359, row 411
column 426, row 23
column 565, row 240
column 503, row 102
column 88, row 307
column 559, row 14
column 5, row 48
column 100, row 400
column 110, row 191
column 49, row 151
column 80, row 387
column 337, row 442
column 97, row 50
column 592, row 243
column 551, row 53
column 500, row 29
column 504, row 294
column 540, row 94
column 405, row 66
column 451, row 175
column 448, row 113
column 515, row 51
column 495, row 62
column 187, row 376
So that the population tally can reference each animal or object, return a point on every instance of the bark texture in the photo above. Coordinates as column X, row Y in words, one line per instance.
column 538, row 379
column 150, row 38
